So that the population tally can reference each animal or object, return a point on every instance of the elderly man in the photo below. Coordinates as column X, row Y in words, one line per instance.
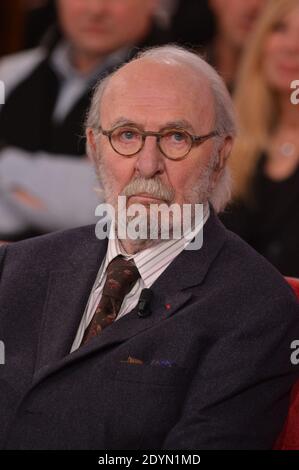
column 46, row 181
column 143, row 343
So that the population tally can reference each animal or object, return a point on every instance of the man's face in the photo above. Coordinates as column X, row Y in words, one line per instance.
column 152, row 97
column 235, row 18
column 99, row 27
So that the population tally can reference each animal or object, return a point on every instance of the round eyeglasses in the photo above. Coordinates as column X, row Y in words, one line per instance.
column 174, row 144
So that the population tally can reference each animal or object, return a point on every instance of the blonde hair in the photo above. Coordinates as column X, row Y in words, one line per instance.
column 255, row 102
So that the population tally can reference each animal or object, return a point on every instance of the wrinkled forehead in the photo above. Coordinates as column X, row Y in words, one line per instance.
column 147, row 92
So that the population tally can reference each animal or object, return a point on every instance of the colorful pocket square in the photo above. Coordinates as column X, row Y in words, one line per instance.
column 132, row 360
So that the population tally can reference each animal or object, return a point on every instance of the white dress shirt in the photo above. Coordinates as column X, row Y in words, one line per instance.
column 150, row 262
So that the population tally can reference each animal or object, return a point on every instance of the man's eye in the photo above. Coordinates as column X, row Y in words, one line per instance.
column 128, row 135
column 176, row 137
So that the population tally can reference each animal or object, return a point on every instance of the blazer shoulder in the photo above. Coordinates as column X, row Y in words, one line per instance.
column 2, row 256
column 245, row 267
column 54, row 247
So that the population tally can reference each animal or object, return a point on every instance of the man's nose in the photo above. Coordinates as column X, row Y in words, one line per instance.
column 150, row 160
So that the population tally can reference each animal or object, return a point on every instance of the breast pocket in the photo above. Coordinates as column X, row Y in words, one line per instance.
column 149, row 374
column 147, row 400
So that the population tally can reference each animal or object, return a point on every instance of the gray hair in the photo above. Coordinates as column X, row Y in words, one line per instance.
column 225, row 121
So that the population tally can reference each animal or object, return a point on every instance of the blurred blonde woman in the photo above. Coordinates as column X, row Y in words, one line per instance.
column 265, row 158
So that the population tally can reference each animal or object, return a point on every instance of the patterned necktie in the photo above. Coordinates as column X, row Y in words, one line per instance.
column 122, row 274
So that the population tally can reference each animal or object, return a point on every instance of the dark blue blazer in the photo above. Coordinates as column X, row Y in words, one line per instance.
column 215, row 373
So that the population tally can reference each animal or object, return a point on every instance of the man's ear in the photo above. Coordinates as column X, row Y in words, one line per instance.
column 91, row 144
column 224, row 152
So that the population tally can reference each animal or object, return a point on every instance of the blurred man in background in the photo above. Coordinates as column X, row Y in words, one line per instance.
column 46, row 183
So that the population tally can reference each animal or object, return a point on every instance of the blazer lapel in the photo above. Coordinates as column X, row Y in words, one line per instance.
column 67, row 295
column 170, row 293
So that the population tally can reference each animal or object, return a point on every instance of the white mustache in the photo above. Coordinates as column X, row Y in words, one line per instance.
column 152, row 186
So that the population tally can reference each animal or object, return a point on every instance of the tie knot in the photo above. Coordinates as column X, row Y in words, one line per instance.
column 122, row 274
